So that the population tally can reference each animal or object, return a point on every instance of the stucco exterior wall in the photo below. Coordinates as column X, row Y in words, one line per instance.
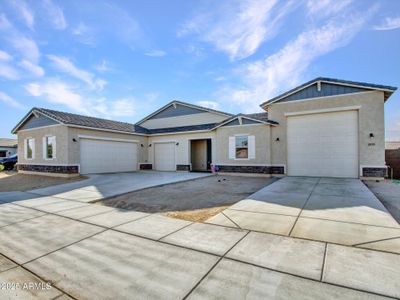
column 262, row 144
column 61, row 134
column 74, row 147
column 182, row 152
column 370, row 120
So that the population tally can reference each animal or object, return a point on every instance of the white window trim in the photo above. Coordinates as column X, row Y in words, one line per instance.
column 26, row 148
column 248, row 156
column 45, row 147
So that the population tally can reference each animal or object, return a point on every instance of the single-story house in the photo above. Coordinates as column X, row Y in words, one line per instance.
column 325, row 127
column 8, row 147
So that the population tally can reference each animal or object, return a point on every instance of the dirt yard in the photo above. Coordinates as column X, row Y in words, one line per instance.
column 195, row 200
column 12, row 181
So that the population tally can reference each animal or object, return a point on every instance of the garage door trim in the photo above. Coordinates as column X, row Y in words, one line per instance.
column 164, row 142
column 327, row 112
column 93, row 137
column 134, row 144
column 320, row 111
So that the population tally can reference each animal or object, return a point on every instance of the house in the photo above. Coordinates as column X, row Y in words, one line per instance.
column 392, row 145
column 325, row 127
column 8, row 147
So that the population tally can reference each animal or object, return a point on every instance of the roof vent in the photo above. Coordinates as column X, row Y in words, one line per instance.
column 318, row 86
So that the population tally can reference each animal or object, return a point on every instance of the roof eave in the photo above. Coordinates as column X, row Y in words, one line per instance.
column 33, row 110
column 185, row 104
column 388, row 90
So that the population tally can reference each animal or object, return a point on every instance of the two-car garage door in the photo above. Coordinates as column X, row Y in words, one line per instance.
column 105, row 156
column 324, row 144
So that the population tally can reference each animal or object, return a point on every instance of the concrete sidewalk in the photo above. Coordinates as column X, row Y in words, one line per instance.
column 341, row 211
column 93, row 252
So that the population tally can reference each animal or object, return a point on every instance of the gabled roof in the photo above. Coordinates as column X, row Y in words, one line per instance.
column 84, row 121
column 176, row 102
column 11, row 143
column 388, row 90
column 76, row 120
column 257, row 117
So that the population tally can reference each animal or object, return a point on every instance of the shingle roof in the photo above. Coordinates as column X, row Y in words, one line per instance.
column 184, row 104
column 388, row 89
column 98, row 123
column 79, row 120
column 12, row 143
column 258, row 116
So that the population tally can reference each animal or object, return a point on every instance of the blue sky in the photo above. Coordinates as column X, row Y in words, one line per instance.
column 124, row 59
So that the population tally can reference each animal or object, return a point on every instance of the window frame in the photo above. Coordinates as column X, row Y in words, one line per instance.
column 45, row 147
column 26, row 143
column 241, row 147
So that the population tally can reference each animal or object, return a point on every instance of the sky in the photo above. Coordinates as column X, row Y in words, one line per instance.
column 122, row 60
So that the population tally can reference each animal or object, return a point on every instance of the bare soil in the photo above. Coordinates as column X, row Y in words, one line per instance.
column 12, row 181
column 195, row 200
column 197, row 215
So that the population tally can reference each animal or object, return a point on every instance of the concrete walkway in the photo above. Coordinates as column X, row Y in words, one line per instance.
column 95, row 252
column 341, row 211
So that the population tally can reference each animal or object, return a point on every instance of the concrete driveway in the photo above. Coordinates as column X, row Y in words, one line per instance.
column 100, row 186
column 342, row 211
column 87, row 251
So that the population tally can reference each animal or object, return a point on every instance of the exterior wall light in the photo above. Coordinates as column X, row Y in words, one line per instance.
column 371, row 135
column 277, row 139
column 74, row 140
column 177, row 144
column 149, row 145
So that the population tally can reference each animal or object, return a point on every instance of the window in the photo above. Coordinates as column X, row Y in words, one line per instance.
column 29, row 148
column 50, row 147
column 242, row 146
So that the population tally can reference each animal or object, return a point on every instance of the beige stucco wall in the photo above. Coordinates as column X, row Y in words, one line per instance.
column 370, row 120
column 74, row 147
column 182, row 152
column 61, row 134
column 262, row 144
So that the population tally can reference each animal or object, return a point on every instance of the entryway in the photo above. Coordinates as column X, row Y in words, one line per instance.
column 200, row 155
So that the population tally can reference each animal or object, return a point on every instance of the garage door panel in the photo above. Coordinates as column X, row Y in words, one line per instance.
column 323, row 144
column 164, row 156
column 103, row 156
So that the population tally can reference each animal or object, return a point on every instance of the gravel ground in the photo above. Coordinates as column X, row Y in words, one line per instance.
column 204, row 193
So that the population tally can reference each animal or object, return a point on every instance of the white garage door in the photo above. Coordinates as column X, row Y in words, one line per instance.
column 164, row 156
column 102, row 156
column 323, row 144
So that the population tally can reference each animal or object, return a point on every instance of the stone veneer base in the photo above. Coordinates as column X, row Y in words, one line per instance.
column 146, row 167
column 183, row 167
column 73, row 169
column 374, row 172
column 250, row 169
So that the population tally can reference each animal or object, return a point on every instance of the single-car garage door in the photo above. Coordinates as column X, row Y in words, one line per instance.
column 104, row 156
column 164, row 156
column 323, row 144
